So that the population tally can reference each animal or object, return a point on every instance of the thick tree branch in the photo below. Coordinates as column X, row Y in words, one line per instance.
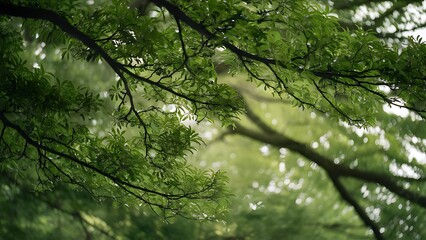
column 335, row 171
column 358, row 209
column 256, row 119
column 258, row 97
column 281, row 141
column 328, row 167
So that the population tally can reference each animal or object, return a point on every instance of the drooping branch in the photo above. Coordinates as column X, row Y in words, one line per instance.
column 282, row 141
column 259, row 97
column 332, row 74
column 121, row 70
column 334, row 176
column 125, row 185
column 334, row 171
column 180, row 16
column 358, row 209
column 67, row 27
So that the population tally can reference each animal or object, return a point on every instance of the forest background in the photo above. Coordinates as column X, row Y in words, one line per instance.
column 212, row 119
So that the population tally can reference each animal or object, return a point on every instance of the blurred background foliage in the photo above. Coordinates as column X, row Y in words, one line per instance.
column 277, row 194
column 392, row 20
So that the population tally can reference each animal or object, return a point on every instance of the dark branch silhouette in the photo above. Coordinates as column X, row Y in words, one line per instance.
column 335, row 171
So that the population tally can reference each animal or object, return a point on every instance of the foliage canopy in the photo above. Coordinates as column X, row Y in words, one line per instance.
column 124, row 131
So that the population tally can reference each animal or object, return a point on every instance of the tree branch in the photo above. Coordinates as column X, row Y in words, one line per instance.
column 67, row 27
column 179, row 14
column 243, row 55
column 330, row 170
column 358, row 209
column 124, row 185
column 281, row 141
column 335, row 171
